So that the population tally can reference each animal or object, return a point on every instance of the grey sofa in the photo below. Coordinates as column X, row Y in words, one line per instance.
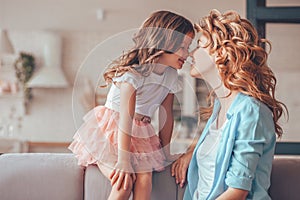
column 50, row 176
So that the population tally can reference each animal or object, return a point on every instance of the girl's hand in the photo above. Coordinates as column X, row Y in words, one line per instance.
column 179, row 168
column 121, row 175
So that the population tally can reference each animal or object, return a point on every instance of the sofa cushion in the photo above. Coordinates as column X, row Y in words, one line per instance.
column 97, row 186
column 36, row 176
column 285, row 178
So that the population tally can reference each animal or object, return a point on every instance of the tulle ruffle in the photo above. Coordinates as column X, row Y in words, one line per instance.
column 96, row 141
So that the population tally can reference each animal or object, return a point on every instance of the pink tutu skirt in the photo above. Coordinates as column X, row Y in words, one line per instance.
column 96, row 141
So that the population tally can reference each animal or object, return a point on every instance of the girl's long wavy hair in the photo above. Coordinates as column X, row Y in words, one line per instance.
column 241, row 60
column 162, row 32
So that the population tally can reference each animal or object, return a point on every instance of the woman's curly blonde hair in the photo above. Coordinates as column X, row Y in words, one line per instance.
column 162, row 32
column 241, row 60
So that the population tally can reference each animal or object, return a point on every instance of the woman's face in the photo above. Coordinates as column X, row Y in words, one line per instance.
column 202, row 61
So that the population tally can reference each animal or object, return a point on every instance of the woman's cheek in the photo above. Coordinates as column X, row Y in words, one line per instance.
column 203, row 60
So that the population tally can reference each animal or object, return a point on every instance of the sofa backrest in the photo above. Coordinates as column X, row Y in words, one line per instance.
column 57, row 176
column 285, row 178
column 97, row 186
column 40, row 176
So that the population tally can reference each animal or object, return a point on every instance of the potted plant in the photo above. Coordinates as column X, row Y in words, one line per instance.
column 24, row 66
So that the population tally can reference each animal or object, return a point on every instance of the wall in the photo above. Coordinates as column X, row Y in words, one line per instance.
column 50, row 116
column 283, row 60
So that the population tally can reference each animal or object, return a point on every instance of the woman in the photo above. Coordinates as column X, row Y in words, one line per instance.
column 233, row 157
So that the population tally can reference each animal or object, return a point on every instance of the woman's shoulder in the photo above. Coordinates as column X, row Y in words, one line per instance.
column 247, row 100
column 250, row 113
column 248, row 105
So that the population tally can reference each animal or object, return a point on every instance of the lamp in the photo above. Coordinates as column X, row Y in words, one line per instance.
column 5, row 44
column 51, row 74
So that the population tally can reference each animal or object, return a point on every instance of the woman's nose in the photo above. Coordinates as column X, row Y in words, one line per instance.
column 191, row 53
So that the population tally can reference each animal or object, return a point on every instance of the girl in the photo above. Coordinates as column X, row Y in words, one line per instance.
column 119, row 137
column 233, row 156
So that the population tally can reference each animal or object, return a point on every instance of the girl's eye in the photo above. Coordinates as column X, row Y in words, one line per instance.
column 184, row 48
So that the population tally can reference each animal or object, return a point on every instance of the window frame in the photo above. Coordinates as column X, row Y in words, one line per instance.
column 259, row 14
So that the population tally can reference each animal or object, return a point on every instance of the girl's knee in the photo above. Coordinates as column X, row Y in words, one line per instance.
column 144, row 178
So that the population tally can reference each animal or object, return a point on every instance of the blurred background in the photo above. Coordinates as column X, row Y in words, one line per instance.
column 52, row 54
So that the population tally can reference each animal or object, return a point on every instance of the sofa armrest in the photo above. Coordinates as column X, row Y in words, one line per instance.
column 97, row 186
column 35, row 176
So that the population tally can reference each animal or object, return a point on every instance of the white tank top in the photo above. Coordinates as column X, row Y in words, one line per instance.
column 206, row 156
column 150, row 90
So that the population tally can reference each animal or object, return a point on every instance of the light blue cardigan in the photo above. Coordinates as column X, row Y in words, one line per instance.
column 245, row 152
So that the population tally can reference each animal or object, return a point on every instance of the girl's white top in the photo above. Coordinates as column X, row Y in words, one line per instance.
column 150, row 90
column 206, row 158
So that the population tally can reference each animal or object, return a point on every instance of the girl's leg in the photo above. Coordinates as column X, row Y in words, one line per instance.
column 142, row 186
column 115, row 194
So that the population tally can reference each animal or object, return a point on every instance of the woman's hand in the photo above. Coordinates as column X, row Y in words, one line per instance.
column 121, row 175
column 170, row 158
column 180, row 166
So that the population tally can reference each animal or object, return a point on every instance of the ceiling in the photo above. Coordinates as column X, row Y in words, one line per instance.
column 81, row 15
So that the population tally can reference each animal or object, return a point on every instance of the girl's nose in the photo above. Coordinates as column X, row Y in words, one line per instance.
column 186, row 54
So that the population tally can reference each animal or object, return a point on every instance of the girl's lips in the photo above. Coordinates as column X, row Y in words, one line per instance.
column 181, row 60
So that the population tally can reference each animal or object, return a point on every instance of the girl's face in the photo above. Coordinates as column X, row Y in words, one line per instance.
column 177, row 59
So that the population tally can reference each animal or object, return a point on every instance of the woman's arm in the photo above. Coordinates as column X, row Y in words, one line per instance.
column 123, row 169
column 180, row 166
column 233, row 194
column 166, row 122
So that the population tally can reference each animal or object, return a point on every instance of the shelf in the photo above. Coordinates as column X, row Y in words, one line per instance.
column 10, row 101
column 10, row 95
